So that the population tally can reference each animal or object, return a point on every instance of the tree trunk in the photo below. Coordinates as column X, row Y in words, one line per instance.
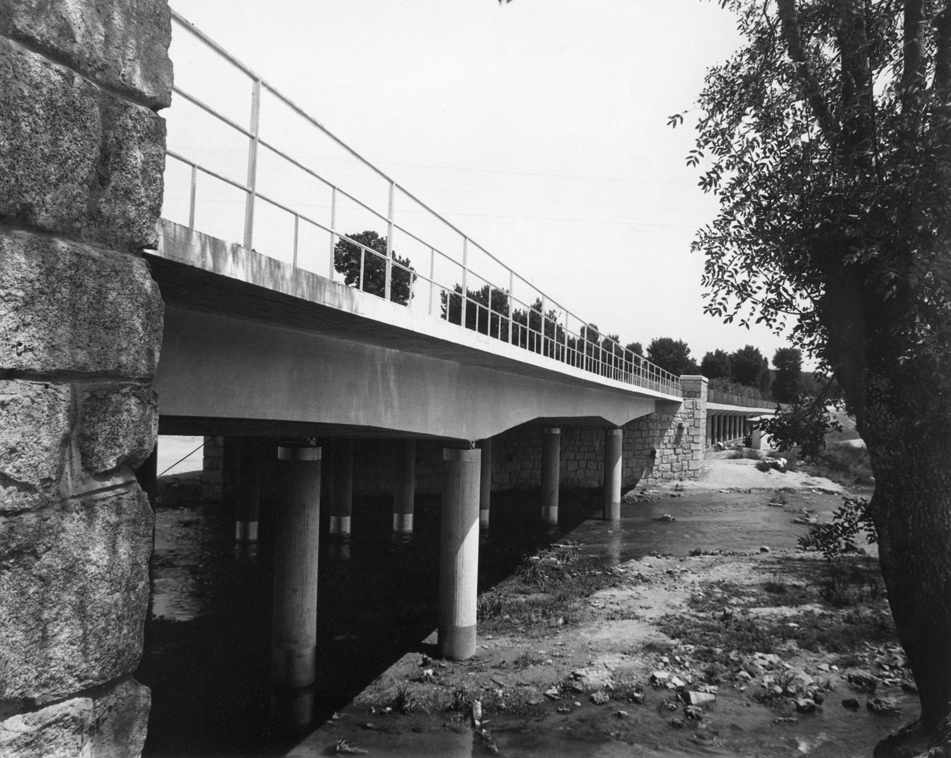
column 911, row 510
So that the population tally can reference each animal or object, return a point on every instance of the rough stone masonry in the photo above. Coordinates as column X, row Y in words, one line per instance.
column 81, row 161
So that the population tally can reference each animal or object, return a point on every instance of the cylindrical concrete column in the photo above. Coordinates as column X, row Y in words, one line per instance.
column 551, row 460
column 485, row 483
column 247, row 507
column 404, row 498
column 613, row 445
column 341, row 488
column 296, row 535
column 459, row 555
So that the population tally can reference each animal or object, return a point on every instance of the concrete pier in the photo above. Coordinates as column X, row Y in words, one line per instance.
column 404, row 496
column 341, row 488
column 248, row 495
column 459, row 555
column 485, row 482
column 551, row 458
column 296, row 537
column 613, row 446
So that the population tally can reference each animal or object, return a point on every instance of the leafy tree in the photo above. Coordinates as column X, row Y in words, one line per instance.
column 635, row 347
column 748, row 365
column 827, row 137
column 478, row 316
column 672, row 355
column 347, row 261
column 787, row 385
column 716, row 365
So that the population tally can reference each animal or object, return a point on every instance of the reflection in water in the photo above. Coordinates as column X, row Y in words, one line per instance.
column 292, row 710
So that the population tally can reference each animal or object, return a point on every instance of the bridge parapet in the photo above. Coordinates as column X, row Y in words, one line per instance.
column 440, row 270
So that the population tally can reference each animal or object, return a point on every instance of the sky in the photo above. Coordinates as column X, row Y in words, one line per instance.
column 538, row 128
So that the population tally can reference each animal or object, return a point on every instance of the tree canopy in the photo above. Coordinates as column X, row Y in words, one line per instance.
column 716, row 365
column 787, row 385
column 748, row 366
column 827, row 139
column 672, row 355
column 347, row 257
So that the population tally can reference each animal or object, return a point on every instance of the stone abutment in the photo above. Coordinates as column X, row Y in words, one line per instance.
column 81, row 162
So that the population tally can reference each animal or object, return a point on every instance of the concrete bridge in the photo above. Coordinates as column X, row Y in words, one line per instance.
column 118, row 325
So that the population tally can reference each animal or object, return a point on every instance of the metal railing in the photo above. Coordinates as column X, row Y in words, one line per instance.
column 473, row 298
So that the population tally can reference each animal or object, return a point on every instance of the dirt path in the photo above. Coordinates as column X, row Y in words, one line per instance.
column 758, row 649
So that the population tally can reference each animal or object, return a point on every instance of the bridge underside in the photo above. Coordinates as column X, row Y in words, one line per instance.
column 241, row 357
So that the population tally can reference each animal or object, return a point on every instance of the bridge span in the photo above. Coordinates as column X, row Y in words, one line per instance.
column 254, row 346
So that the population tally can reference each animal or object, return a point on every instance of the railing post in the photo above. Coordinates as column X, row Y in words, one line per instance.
column 432, row 275
column 191, row 198
column 488, row 328
column 296, row 236
column 363, row 256
column 544, row 301
column 252, row 164
column 465, row 281
column 511, row 304
column 333, row 228
column 388, row 285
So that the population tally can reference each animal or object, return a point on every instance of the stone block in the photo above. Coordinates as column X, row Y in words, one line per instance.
column 35, row 423
column 127, row 199
column 117, row 425
column 75, row 160
column 121, row 716
column 74, row 590
column 51, row 130
column 58, row 731
column 122, row 45
column 69, row 307
column 109, row 724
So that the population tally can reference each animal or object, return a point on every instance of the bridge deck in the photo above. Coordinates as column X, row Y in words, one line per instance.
column 252, row 343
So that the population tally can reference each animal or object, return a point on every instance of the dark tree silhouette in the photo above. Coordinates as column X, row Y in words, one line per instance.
column 787, row 385
column 672, row 355
column 347, row 262
column 717, row 365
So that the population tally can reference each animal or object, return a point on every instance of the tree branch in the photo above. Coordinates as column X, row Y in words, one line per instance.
column 913, row 63
column 942, row 69
column 789, row 17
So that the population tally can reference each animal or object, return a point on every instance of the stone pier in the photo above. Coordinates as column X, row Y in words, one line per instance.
column 81, row 161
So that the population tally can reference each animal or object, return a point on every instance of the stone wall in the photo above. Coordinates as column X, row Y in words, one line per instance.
column 81, row 161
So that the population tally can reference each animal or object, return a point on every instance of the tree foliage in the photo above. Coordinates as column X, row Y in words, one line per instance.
column 672, row 355
column 787, row 384
column 347, row 257
column 748, row 366
column 827, row 139
column 716, row 365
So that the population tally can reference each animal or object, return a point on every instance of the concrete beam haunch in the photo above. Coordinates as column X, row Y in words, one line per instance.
column 551, row 459
column 341, row 488
column 459, row 555
column 404, row 496
column 248, row 496
column 485, row 482
column 296, row 537
column 613, row 445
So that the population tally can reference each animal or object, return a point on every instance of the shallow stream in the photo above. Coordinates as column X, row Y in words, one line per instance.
column 208, row 634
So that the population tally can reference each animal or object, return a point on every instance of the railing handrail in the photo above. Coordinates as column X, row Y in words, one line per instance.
column 641, row 372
